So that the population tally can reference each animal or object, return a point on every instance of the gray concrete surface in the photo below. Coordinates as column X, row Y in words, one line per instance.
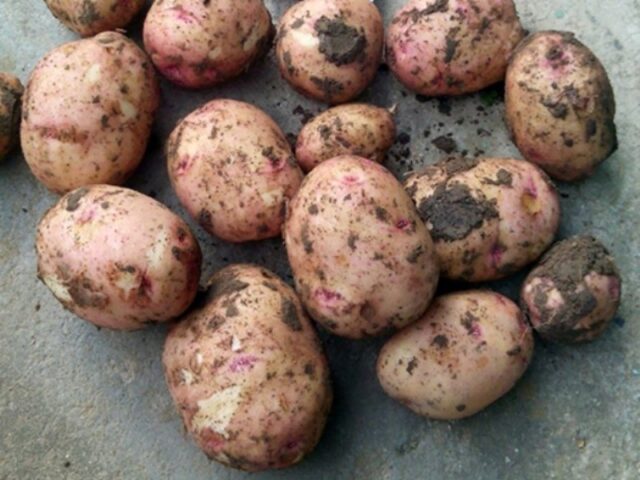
column 80, row 403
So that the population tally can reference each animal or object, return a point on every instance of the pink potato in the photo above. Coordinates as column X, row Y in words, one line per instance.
column 452, row 47
column 198, row 44
column 233, row 170
column 362, row 260
column 247, row 372
column 117, row 258
column 11, row 91
column 89, row 17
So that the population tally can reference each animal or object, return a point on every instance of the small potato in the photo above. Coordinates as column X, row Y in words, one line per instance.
column 467, row 351
column 573, row 294
column 247, row 373
column 560, row 105
column 88, row 111
column 88, row 17
column 488, row 217
column 452, row 47
column 10, row 100
column 362, row 260
column 330, row 50
column 117, row 258
column 198, row 44
column 354, row 129
column 232, row 168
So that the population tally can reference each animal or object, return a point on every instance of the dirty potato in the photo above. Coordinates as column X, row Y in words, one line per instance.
column 89, row 17
column 10, row 101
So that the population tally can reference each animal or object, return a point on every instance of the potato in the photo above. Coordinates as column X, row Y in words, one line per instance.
column 232, row 168
column 488, row 217
column 574, row 292
column 10, row 100
column 362, row 260
column 88, row 111
column 330, row 50
column 355, row 129
column 467, row 351
column 88, row 17
column 117, row 258
column 441, row 47
column 247, row 372
column 560, row 105
column 198, row 44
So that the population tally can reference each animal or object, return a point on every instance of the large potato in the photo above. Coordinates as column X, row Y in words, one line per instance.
column 88, row 111
column 362, row 259
column 247, row 372
column 330, row 50
column 117, row 258
column 488, row 217
column 88, row 17
column 560, row 105
column 355, row 129
column 467, row 351
column 233, row 170
column 10, row 103
column 197, row 44
column 452, row 47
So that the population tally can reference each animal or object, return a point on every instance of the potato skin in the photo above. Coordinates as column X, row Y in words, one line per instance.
column 87, row 112
column 467, row 351
column 452, row 47
column 117, row 258
column 362, row 260
column 198, row 44
column 89, row 17
column 11, row 91
column 488, row 217
column 560, row 105
column 574, row 292
column 233, row 170
column 247, row 372
column 330, row 50
column 355, row 129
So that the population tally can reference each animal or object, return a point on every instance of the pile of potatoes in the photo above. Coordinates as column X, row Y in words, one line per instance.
column 243, row 361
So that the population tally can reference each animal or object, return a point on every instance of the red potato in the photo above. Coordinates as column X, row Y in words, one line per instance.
column 11, row 91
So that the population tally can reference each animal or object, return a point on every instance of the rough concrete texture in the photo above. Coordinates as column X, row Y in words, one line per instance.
column 80, row 403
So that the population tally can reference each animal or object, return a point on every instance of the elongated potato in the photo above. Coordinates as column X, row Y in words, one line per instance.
column 355, row 129
column 247, row 372
column 362, row 259
column 11, row 91
column 89, row 17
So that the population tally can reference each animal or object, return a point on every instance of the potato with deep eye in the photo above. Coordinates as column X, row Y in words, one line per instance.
column 11, row 91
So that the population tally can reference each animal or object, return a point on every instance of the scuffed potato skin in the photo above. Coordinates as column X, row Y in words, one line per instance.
column 330, row 50
column 574, row 292
column 488, row 217
column 88, row 111
column 117, row 258
column 452, row 47
column 355, row 129
column 560, row 106
column 362, row 260
column 89, row 17
column 199, row 44
column 233, row 170
column 247, row 372
column 467, row 351
column 11, row 91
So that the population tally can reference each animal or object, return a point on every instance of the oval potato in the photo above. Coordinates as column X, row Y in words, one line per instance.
column 89, row 17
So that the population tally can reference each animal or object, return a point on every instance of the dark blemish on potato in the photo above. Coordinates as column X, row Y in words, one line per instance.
column 288, row 62
column 306, row 241
column 329, row 86
column 382, row 214
column 177, row 253
column 413, row 363
column 567, row 140
column 289, row 314
column 271, row 156
column 415, row 14
column 351, row 241
column 468, row 321
column 73, row 199
column 105, row 205
column 503, row 177
column 225, row 283
column 85, row 295
column 213, row 133
column 452, row 47
column 232, row 310
column 591, row 129
column 441, row 341
column 340, row 43
column 313, row 209
column 557, row 109
column 270, row 286
column 446, row 144
column 515, row 351
column 310, row 369
column 415, row 254
column 205, row 218
column 320, row 274
column 378, row 256
column 89, row 14
column 453, row 165
column 324, row 131
column 367, row 311
column 297, row 23
column 461, row 408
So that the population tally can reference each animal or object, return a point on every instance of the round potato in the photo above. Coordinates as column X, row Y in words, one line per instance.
column 88, row 17
column 330, row 50
column 362, row 260
column 355, row 129
column 117, row 258
column 247, row 372
column 88, row 111
column 198, row 44
column 467, row 351
column 574, row 293
column 442, row 47
column 232, row 168
column 10, row 100
column 488, row 217
column 560, row 105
